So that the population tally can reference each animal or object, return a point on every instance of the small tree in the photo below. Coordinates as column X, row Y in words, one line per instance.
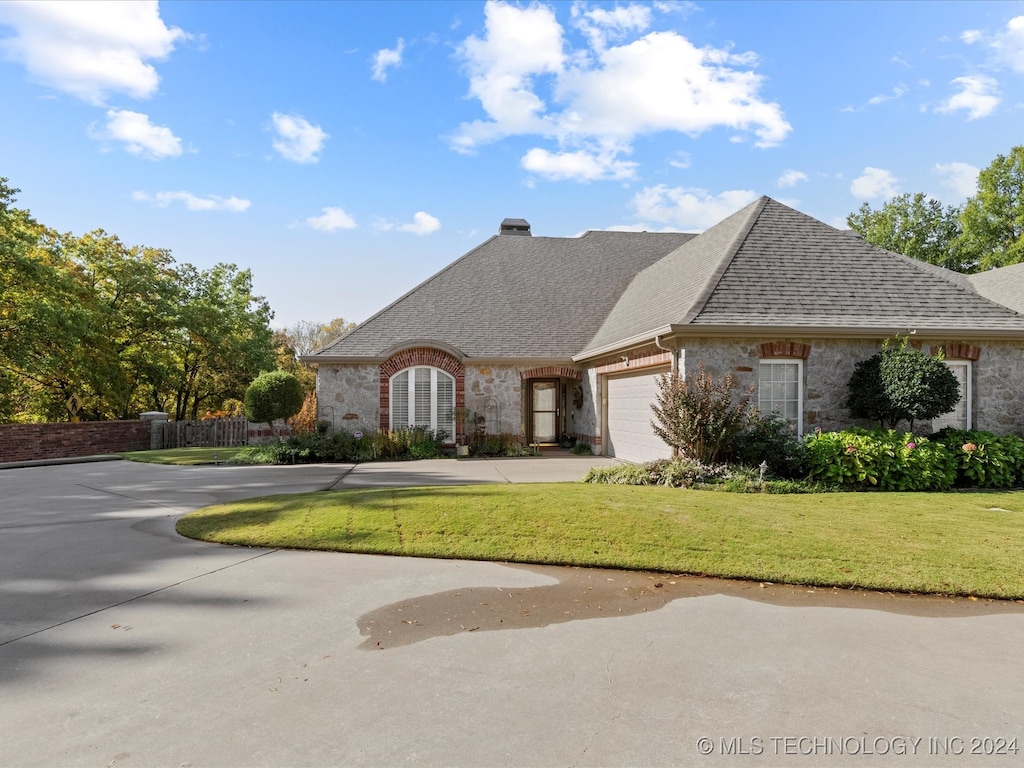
column 901, row 384
column 698, row 416
column 271, row 396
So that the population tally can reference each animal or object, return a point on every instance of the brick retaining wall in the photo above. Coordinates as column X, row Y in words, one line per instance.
column 29, row 442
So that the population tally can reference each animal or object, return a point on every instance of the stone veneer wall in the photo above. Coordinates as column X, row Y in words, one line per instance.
column 998, row 402
column 998, row 375
column 31, row 442
column 496, row 393
column 349, row 396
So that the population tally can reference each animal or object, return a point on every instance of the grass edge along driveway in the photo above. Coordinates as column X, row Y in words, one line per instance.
column 950, row 543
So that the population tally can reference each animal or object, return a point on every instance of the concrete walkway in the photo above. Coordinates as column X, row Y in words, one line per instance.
column 123, row 644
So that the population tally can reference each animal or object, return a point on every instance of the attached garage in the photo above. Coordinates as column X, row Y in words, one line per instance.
column 628, row 432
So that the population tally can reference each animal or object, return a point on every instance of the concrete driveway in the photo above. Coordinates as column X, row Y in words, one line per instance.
column 122, row 644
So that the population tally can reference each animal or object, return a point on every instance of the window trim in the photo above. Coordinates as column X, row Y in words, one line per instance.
column 799, row 363
column 437, row 420
column 967, row 396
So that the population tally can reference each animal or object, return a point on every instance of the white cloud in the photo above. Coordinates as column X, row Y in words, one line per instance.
column 689, row 207
column 978, row 96
column 874, row 183
column 961, row 178
column 970, row 36
column 580, row 166
column 386, row 58
column 789, row 178
column 681, row 160
column 193, row 202
column 601, row 25
column 139, row 136
column 330, row 220
column 606, row 94
column 897, row 92
column 89, row 49
column 298, row 140
column 1008, row 45
column 422, row 224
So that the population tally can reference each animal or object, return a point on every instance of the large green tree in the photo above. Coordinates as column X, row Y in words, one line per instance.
column 993, row 220
column 916, row 226
column 124, row 328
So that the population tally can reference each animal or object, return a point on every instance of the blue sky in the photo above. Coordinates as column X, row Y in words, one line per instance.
column 344, row 152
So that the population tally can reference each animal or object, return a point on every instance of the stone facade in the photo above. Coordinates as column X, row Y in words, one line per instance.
column 495, row 392
column 997, row 401
column 998, row 383
column 348, row 396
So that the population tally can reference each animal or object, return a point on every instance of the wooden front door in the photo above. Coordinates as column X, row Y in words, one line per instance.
column 544, row 411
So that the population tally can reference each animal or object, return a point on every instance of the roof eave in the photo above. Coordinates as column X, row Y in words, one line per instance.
column 680, row 331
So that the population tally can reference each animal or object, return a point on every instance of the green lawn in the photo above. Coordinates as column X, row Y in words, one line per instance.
column 182, row 456
column 954, row 543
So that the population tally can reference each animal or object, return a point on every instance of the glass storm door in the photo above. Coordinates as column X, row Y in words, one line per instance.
column 544, row 406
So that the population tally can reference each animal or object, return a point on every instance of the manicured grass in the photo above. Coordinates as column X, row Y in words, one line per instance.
column 182, row 456
column 955, row 543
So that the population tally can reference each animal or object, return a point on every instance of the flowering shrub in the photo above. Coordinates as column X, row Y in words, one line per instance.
column 984, row 459
column 887, row 460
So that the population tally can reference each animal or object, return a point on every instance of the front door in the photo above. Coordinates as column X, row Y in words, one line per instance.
column 544, row 410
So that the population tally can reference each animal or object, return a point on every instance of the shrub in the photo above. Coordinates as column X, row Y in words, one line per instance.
column 625, row 474
column 901, row 384
column 305, row 420
column 686, row 473
column 886, row 460
column 582, row 449
column 271, row 396
column 984, row 459
column 771, row 439
column 697, row 416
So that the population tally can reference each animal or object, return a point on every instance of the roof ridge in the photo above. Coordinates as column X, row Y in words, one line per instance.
column 727, row 257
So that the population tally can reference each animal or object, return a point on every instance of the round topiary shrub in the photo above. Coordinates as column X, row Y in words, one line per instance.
column 271, row 396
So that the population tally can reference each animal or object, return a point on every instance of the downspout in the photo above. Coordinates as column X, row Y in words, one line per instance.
column 675, row 353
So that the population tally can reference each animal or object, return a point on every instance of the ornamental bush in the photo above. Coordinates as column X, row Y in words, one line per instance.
column 901, row 384
column 885, row 460
column 983, row 459
column 699, row 416
column 770, row 439
column 271, row 396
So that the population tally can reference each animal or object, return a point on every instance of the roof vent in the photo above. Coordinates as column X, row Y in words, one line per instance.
column 514, row 227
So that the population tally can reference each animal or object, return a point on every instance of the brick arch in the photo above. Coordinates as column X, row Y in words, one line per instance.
column 549, row 371
column 411, row 358
column 958, row 351
column 793, row 349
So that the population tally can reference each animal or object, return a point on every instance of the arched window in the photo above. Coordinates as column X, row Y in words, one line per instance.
column 423, row 397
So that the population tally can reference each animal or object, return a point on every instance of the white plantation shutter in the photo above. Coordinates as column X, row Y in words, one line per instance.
column 423, row 397
column 400, row 400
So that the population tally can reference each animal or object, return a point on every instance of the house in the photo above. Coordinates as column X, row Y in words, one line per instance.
column 541, row 336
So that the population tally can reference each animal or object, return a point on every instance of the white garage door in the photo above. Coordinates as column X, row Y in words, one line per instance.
column 629, row 431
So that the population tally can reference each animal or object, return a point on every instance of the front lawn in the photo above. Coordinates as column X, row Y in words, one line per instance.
column 186, row 457
column 953, row 543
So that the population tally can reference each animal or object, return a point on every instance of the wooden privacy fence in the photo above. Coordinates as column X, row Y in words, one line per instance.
column 209, row 433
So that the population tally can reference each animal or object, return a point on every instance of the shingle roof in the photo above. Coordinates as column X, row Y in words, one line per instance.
column 769, row 265
column 514, row 296
column 1004, row 285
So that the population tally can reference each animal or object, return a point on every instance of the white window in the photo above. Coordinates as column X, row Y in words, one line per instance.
column 960, row 416
column 780, row 388
column 423, row 397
